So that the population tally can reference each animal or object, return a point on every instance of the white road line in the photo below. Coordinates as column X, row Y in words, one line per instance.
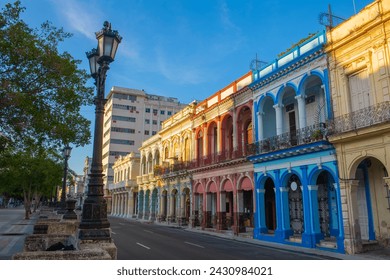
column 193, row 244
column 142, row 245
column 145, row 230
column 113, row 232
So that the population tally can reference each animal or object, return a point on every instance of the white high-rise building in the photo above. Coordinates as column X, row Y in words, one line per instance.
column 131, row 116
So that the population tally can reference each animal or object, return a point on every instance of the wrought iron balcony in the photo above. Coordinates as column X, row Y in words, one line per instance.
column 362, row 118
column 171, row 169
column 225, row 155
column 286, row 140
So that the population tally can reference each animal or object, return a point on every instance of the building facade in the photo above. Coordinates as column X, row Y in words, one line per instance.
column 296, row 177
column 131, row 116
column 222, row 178
column 359, row 60
column 124, row 189
column 165, row 186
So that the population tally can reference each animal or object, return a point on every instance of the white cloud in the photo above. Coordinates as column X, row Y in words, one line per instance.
column 80, row 16
column 181, row 70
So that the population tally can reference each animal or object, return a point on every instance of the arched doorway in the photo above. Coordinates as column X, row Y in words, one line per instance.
column 211, row 205
column 227, row 205
column 295, row 200
column 197, row 207
column 164, row 206
column 372, row 199
column 227, row 137
column 270, row 205
column 327, row 205
column 245, row 194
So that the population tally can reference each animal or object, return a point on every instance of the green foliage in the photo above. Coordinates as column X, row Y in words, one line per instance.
column 41, row 89
column 25, row 173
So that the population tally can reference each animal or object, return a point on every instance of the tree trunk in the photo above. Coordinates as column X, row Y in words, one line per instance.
column 27, row 209
column 27, row 203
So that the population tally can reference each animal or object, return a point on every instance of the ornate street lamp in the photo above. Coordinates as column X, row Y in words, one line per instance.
column 94, row 224
column 66, row 153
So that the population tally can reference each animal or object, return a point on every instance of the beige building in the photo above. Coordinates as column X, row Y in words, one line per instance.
column 131, row 117
column 124, row 189
column 359, row 65
column 164, row 182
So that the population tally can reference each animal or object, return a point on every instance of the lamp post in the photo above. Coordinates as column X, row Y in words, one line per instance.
column 94, row 224
column 66, row 153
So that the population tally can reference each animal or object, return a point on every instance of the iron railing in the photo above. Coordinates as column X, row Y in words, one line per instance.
column 286, row 140
column 362, row 118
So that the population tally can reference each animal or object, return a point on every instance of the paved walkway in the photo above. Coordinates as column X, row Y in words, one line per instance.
column 13, row 230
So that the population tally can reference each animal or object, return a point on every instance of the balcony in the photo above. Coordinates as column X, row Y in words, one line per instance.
column 226, row 155
column 287, row 140
column 168, row 170
column 366, row 117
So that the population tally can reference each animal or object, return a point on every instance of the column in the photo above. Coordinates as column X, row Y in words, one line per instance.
column 260, row 224
column 235, row 144
column 260, row 129
column 314, row 213
column 279, row 118
column 301, row 110
column 340, row 237
column 182, row 217
column 130, row 204
column 219, row 136
column 355, row 241
column 221, row 210
column 152, row 207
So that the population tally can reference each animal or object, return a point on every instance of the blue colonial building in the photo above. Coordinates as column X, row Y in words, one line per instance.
column 297, row 191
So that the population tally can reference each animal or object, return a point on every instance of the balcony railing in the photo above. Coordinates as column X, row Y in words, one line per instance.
column 170, row 169
column 362, row 118
column 286, row 140
column 224, row 156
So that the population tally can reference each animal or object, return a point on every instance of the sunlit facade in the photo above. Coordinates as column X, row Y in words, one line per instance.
column 358, row 52
column 222, row 178
column 296, row 180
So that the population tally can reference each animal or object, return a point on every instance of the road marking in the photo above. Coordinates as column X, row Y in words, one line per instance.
column 113, row 232
column 148, row 231
column 142, row 245
column 193, row 244
column 122, row 224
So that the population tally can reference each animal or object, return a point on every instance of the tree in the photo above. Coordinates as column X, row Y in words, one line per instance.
column 30, row 174
column 41, row 89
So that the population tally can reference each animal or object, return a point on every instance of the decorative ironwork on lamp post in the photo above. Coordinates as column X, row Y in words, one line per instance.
column 94, row 224
column 66, row 153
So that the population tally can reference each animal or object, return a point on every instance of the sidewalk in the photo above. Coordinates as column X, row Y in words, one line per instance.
column 13, row 230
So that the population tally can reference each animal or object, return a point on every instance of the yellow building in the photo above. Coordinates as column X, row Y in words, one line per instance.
column 124, row 189
column 165, row 184
column 359, row 64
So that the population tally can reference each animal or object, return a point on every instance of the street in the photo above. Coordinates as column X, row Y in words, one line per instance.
column 144, row 241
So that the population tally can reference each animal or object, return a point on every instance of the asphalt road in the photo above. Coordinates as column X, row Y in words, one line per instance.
column 143, row 241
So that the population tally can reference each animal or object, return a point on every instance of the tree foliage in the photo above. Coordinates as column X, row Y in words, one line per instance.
column 30, row 174
column 41, row 89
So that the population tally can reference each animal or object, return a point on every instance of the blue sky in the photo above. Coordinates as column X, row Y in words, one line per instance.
column 185, row 49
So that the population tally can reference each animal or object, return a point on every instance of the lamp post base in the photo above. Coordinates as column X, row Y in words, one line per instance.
column 95, row 234
column 94, row 223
